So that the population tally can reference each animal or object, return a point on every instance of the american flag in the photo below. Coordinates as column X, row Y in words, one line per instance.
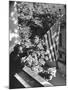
column 52, row 41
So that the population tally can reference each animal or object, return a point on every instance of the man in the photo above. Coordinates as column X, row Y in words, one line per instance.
column 15, row 67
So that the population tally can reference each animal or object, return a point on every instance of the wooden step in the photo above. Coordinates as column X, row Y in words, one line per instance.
column 26, row 80
column 21, row 80
column 37, row 77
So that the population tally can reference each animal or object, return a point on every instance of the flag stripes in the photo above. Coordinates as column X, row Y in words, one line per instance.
column 53, row 50
column 52, row 41
column 48, row 51
column 49, row 43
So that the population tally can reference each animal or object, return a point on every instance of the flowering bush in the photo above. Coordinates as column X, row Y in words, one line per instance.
column 34, row 20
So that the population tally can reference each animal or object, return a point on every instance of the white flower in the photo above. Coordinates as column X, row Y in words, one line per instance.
column 52, row 71
column 23, row 59
column 41, row 61
column 46, row 58
column 40, row 46
column 36, row 39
